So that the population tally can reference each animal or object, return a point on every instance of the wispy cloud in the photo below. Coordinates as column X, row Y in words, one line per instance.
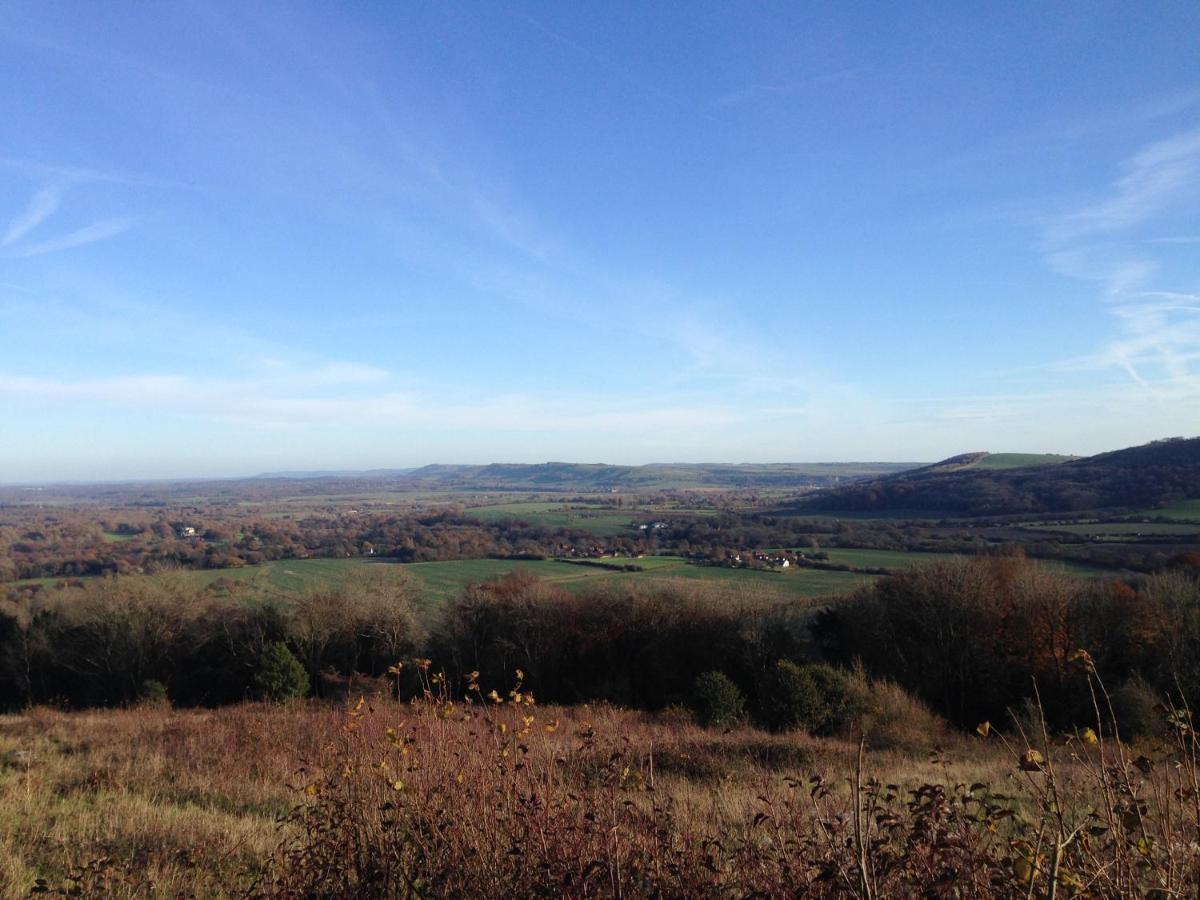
column 90, row 234
column 42, row 206
column 1157, row 340
column 1159, row 176
column 340, row 395
column 1159, row 334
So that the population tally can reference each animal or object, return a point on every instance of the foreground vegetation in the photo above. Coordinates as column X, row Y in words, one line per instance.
column 466, row 793
column 689, row 738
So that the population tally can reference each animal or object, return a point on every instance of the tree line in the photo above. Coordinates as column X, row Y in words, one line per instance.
column 970, row 638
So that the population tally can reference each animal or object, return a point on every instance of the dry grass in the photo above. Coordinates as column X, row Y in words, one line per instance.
column 182, row 799
column 510, row 799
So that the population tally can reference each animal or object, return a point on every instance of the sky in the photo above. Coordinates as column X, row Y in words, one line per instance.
column 252, row 237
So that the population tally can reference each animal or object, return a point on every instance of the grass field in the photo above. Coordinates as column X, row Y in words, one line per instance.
column 444, row 580
column 1181, row 509
column 906, row 559
column 885, row 559
column 602, row 521
column 1018, row 460
column 1124, row 528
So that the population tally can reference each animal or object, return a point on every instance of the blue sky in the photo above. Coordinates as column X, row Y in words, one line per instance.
column 245, row 237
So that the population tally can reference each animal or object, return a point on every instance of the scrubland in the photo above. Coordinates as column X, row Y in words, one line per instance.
column 492, row 794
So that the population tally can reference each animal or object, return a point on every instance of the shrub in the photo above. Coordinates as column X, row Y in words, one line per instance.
column 154, row 693
column 1134, row 705
column 717, row 701
column 792, row 699
column 280, row 675
column 815, row 697
column 896, row 719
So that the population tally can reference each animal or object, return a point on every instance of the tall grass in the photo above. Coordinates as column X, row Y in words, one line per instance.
column 469, row 792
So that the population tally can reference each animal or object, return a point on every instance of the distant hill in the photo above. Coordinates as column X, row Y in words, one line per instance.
column 983, row 484
column 551, row 476
column 982, row 460
column 561, row 476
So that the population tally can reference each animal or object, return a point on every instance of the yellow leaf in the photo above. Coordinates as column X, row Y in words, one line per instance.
column 1088, row 736
column 983, row 729
column 1083, row 659
column 1025, row 869
column 1031, row 761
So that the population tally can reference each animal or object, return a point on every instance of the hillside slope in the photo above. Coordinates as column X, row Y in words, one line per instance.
column 1138, row 477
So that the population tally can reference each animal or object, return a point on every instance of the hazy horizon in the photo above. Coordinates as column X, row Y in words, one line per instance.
column 240, row 239
column 301, row 473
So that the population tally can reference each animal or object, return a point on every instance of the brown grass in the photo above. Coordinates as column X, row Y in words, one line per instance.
column 480, row 798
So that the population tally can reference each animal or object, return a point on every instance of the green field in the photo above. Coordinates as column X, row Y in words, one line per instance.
column 444, row 580
column 906, row 559
column 1181, row 509
column 1070, row 567
column 1123, row 528
column 602, row 521
column 285, row 576
column 885, row 559
column 1019, row 460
